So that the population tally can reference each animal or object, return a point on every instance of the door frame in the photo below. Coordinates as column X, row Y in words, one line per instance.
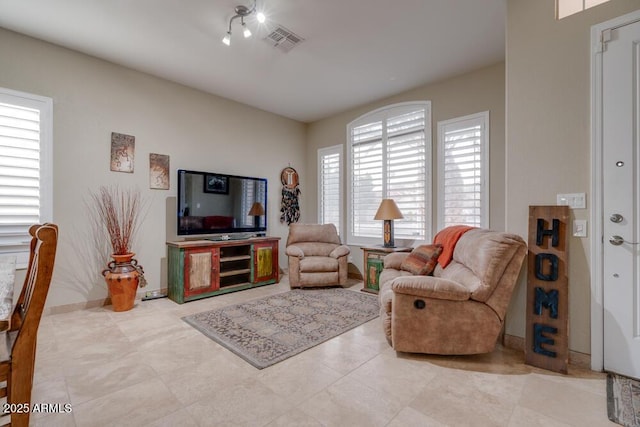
column 597, row 214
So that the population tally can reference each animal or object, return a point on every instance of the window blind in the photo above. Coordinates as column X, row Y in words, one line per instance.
column 463, row 175
column 407, row 172
column 26, row 190
column 367, row 176
column 19, row 177
column 330, row 191
column 389, row 155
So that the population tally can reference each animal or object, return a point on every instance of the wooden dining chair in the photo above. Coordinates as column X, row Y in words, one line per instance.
column 16, row 372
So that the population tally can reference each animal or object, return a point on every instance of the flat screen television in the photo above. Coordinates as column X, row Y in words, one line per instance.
column 217, row 204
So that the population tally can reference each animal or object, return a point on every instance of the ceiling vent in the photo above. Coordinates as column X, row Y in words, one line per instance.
column 283, row 39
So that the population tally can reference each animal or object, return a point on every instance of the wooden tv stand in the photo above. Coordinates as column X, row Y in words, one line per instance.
column 203, row 268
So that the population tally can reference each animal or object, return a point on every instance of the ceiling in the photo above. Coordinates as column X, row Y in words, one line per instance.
column 354, row 51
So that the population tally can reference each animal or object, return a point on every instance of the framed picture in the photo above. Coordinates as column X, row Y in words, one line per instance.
column 122, row 151
column 218, row 184
column 158, row 171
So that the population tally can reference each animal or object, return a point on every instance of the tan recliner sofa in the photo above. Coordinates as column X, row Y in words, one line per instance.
column 316, row 257
column 461, row 308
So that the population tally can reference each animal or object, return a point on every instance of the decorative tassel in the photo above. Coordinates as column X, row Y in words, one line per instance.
column 290, row 207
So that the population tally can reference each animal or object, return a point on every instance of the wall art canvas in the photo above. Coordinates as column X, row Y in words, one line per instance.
column 122, row 151
column 158, row 171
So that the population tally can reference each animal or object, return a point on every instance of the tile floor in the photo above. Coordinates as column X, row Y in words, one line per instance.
column 146, row 367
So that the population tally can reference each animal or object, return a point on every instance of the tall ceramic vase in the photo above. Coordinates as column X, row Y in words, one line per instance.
column 122, row 277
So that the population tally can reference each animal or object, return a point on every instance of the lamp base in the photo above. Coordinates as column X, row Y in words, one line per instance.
column 388, row 234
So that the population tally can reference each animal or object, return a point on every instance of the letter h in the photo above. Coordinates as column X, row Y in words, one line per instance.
column 554, row 232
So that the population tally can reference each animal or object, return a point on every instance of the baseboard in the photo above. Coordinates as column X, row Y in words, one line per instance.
column 513, row 342
column 577, row 359
column 67, row 308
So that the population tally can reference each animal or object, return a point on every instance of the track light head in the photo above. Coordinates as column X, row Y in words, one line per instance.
column 245, row 30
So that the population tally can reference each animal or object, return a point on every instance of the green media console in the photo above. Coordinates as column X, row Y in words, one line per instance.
column 203, row 268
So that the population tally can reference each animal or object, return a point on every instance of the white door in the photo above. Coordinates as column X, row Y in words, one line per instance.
column 621, row 202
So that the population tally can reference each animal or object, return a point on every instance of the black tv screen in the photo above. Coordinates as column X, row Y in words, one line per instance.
column 212, row 203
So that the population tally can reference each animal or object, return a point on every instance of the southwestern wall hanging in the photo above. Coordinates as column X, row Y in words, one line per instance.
column 290, row 207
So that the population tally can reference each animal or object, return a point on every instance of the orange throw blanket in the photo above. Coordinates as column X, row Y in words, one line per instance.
column 448, row 237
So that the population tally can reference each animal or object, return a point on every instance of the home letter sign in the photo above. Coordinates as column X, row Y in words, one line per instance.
column 547, row 335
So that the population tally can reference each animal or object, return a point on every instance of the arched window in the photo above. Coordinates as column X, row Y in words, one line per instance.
column 389, row 156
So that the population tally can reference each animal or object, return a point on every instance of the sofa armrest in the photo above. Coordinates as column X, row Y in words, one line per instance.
column 394, row 259
column 430, row 287
column 340, row 251
column 293, row 250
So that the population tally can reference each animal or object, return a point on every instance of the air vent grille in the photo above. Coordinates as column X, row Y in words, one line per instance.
column 283, row 39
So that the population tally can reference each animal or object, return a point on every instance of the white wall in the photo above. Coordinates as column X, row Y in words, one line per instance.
column 93, row 98
column 548, row 138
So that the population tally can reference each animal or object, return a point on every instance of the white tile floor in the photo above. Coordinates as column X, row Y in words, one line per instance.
column 146, row 367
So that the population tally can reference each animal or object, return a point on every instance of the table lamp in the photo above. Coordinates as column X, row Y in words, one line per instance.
column 256, row 211
column 388, row 211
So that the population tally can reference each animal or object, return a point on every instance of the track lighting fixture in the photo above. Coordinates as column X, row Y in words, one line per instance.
column 242, row 12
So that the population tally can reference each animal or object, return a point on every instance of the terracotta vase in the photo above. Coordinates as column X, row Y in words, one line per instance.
column 122, row 277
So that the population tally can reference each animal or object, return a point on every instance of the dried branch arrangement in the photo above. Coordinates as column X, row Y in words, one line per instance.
column 119, row 213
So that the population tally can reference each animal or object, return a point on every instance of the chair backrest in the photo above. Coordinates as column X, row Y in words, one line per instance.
column 313, row 233
column 487, row 263
column 30, row 304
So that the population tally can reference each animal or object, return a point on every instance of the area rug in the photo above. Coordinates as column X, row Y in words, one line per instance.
column 623, row 400
column 268, row 330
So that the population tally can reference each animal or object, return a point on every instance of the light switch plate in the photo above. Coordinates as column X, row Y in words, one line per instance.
column 573, row 200
column 580, row 228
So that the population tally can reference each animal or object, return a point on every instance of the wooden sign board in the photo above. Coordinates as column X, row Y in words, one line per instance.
column 547, row 334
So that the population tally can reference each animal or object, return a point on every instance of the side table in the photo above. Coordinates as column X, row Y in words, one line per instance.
column 374, row 263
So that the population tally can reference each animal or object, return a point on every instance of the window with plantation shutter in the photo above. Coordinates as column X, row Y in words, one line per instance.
column 390, row 157
column 330, row 186
column 463, row 159
column 25, row 169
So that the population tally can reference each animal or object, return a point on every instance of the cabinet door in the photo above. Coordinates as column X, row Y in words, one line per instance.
column 201, row 271
column 265, row 262
column 375, row 264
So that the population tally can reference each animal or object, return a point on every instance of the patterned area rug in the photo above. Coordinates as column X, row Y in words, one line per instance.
column 271, row 329
column 623, row 400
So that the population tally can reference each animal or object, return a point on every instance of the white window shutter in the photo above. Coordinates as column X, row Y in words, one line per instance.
column 25, row 122
column 407, row 172
column 463, row 171
column 330, row 186
column 389, row 157
column 366, row 176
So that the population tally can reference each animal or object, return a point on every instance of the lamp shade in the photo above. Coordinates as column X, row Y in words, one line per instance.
column 256, row 209
column 388, row 210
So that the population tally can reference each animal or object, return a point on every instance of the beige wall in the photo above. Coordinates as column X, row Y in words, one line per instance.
column 548, row 134
column 91, row 99
column 470, row 93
